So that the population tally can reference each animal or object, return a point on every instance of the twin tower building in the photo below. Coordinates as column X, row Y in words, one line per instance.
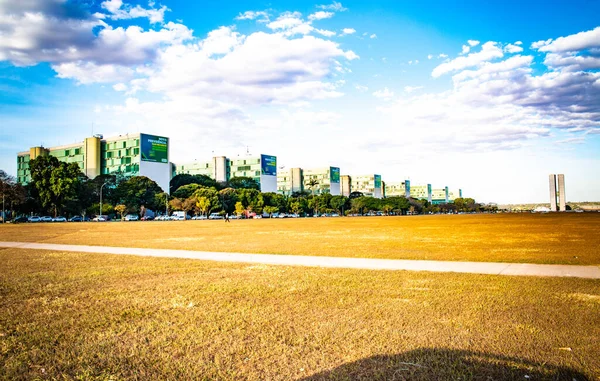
column 557, row 193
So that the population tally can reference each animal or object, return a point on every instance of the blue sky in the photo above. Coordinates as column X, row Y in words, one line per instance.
column 490, row 98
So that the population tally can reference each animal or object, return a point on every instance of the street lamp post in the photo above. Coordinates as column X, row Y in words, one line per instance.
column 101, row 198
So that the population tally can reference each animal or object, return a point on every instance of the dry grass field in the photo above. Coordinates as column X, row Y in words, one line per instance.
column 102, row 317
column 565, row 238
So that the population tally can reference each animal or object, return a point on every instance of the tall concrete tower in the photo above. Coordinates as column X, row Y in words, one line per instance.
column 552, row 182
column 562, row 197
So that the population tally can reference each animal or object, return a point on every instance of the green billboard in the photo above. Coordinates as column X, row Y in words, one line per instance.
column 154, row 148
column 268, row 165
column 377, row 181
column 334, row 175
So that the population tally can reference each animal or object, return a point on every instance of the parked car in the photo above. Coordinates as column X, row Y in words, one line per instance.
column 147, row 218
column 34, row 219
column 131, row 217
column 20, row 219
column 200, row 217
column 46, row 219
column 59, row 219
column 215, row 216
column 76, row 219
column 100, row 219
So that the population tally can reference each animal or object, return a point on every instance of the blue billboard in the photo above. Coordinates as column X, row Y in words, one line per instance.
column 154, row 148
column 407, row 188
column 377, row 181
column 335, row 175
column 268, row 165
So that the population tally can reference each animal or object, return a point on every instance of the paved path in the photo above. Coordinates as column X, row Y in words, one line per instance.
column 495, row 268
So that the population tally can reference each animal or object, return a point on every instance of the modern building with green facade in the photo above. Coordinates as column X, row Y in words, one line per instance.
column 124, row 156
column 262, row 168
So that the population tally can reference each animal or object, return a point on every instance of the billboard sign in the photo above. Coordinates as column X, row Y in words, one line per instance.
column 447, row 195
column 268, row 165
column 407, row 188
column 334, row 175
column 154, row 148
column 377, row 181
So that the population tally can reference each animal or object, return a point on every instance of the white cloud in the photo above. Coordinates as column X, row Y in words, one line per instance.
column 320, row 15
column 373, row 36
column 571, row 62
column 519, row 43
column 442, row 55
column 221, row 41
column 361, row 88
column 413, row 62
column 335, row 6
column 326, row 33
column 429, row 56
column 473, row 42
column 384, row 94
column 346, row 31
column 120, row 87
column 119, row 12
column 580, row 41
column 489, row 51
column 260, row 16
column 88, row 72
column 465, row 49
column 513, row 48
column 410, row 89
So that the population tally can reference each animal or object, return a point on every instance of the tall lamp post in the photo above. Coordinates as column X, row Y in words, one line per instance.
column 101, row 198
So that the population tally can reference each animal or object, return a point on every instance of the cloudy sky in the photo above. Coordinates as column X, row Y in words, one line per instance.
column 490, row 99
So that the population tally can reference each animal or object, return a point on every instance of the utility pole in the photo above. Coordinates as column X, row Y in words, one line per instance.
column 101, row 198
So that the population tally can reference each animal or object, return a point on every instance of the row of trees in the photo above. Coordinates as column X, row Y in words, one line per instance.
column 59, row 188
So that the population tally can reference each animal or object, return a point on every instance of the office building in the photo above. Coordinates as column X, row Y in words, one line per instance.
column 290, row 181
column 368, row 185
column 440, row 196
column 123, row 156
column 262, row 168
column 346, row 185
column 323, row 180
column 217, row 169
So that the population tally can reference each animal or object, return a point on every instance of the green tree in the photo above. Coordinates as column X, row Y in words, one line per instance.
column 243, row 183
column 12, row 194
column 185, row 191
column 312, row 183
column 213, row 197
column 186, row 179
column 228, row 199
column 339, row 203
column 56, row 182
column 270, row 210
column 138, row 191
column 176, row 204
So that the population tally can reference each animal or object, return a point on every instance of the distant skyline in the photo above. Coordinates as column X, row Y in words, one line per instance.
column 490, row 98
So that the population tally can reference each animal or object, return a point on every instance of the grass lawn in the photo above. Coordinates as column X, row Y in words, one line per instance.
column 89, row 316
column 558, row 238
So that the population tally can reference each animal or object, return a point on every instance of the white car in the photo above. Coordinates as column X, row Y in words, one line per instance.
column 34, row 219
column 215, row 216
column 201, row 217
column 46, row 219
column 131, row 217
column 59, row 219
column 100, row 219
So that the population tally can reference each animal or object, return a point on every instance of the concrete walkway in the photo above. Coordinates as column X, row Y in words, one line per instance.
column 494, row 268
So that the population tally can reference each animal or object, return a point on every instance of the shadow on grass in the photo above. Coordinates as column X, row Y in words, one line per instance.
column 447, row 364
